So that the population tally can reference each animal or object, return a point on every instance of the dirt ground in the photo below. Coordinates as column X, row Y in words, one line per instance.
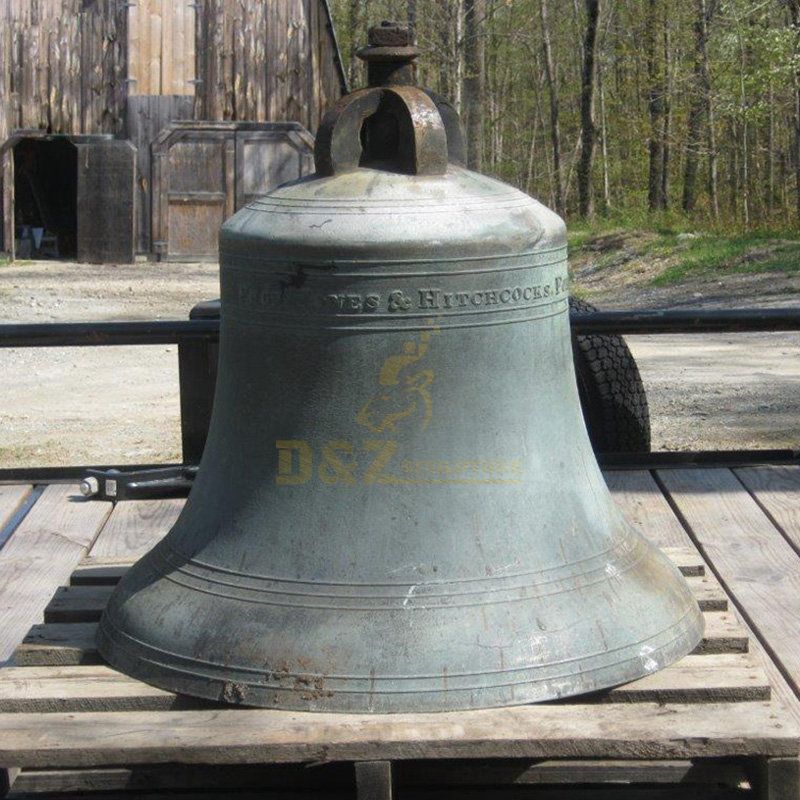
column 120, row 404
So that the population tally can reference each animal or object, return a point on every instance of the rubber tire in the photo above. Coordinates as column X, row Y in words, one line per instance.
column 611, row 391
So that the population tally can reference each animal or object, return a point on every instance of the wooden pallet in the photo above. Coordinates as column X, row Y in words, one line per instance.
column 61, row 707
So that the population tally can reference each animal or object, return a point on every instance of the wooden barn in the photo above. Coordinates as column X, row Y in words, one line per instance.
column 136, row 127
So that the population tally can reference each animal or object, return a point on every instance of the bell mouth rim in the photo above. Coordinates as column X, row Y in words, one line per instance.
column 311, row 693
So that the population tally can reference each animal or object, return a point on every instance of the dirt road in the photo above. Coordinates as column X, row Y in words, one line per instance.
column 120, row 404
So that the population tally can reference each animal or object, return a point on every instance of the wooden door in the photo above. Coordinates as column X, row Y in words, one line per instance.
column 193, row 190
column 203, row 172
column 106, row 181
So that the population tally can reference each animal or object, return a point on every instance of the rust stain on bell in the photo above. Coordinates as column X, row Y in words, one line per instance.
column 398, row 508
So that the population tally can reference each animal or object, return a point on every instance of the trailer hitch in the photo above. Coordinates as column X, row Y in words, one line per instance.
column 142, row 484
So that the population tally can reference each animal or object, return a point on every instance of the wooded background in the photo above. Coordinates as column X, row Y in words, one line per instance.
column 618, row 107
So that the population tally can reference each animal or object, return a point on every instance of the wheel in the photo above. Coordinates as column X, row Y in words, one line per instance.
column 611, row 392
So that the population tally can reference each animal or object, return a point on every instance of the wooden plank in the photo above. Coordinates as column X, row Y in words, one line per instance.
column 190, row 50
column 153, row 48
column 510, row 772
column 723, row 634
column 93, row 572
column 83, row 688
column 582, row 793
column 708, row 593
column 12, row 499
column 77, row 604
column 641, row 501
column 779, row 686
column 687, row 560
column 694, row 679
column 615, row 730
column 147, row 778
column 41, row 555
column 135, row 65
column 134, row 527
column 698, row 679
column 58, row 644
column 779, row 779
column 374, row 780
column 753, row 561
column 777, row 490
column 166, row 13
column 8, row 777
column 505, row 772
column 447, row 793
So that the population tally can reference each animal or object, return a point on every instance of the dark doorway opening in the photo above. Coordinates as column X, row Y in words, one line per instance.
column 46, row 198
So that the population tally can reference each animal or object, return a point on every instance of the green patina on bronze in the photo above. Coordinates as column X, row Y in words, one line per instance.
column 398, row 508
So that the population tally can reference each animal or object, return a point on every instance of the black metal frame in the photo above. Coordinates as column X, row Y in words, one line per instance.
column 198, row 341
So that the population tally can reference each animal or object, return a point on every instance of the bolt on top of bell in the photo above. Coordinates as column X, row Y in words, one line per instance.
column 389, row 55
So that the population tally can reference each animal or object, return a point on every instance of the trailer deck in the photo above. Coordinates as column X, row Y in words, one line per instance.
column 724, row 721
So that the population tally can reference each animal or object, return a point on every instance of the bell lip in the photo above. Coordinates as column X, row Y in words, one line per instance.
column 310, row 696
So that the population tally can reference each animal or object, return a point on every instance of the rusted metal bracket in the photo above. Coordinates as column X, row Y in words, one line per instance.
column 392, row 124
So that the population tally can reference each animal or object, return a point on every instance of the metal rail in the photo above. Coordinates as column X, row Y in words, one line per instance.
column 743, row 320
column 100, row 334
column 611, row 461
column 94, row 334
column 197, row 339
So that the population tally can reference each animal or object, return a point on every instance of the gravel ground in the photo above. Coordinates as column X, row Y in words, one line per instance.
column 120, row 404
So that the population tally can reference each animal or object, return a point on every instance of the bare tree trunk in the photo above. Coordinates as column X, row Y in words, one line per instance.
column 794, row 17
column 411, row 17
column 771, row 154
column 473, row 84
column 587, row 117
column 604, row 139
column 446, row 68
column 734, row 171
column 552, row 89
column 538, row 120
column 458, row 53
column 699, row 105
column 357, row 12
column 655, row 105
column 713, row 180
column 667, row 119
column 743, row 104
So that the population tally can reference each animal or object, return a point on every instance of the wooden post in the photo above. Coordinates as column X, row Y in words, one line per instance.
column 197, row 370
column 779, row 779
column 373, row 780
column 7, row 777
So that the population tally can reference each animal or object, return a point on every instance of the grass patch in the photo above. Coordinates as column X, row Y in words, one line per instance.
column 577, row 238
column 670, row 250
column 579, row 292
column 749, row 253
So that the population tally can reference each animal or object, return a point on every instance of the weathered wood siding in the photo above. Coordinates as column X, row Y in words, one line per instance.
column 265, row 61
column 63, row 66
column 68, row 66
column 161, row 47
column 130, row 68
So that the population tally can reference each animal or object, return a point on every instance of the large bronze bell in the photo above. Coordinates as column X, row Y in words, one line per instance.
column 398, row 508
